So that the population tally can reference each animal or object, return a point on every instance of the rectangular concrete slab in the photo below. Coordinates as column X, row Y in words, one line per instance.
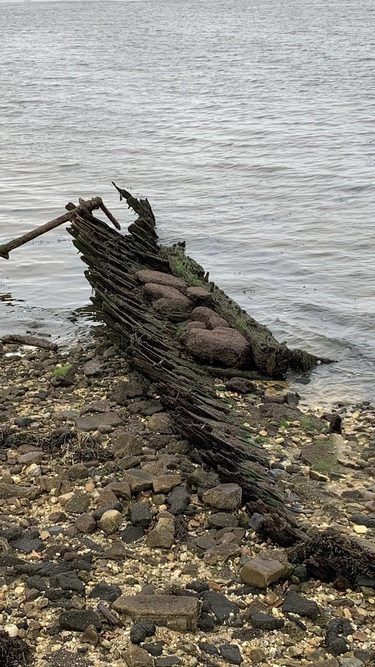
column 174, row 612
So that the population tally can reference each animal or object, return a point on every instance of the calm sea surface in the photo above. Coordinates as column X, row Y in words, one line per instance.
column 249, row 125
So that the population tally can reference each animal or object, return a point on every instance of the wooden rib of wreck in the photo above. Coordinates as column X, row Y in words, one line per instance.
column 154, row 332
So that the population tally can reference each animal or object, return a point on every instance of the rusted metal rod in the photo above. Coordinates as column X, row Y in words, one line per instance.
column 82, row 208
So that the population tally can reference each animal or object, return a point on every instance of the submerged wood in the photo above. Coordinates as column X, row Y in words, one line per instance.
column 34, row 341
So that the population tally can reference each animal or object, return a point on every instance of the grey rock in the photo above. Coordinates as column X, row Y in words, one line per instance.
column 164, row 483
column 92, row 422
column 78, row 503
column 110, row 521
column 136, row 656
column 162, row 536
column 85, row 523
column 155, row 649
column 27, row 544
column 266, row 621
column 178, row 500
column 141, row 515
column 132, row 534
column 222, row 520
column 211, row 649
column 23, row 422
column 260, row 572
column 79, row 619
column 142, row 629
column 231, row 654
column 62, row 658
column 367, row 520
column 36, row 456
column 107, row 592
column 298, row 604
column 168, row 661
column 93, row 367
column 206, row 622
column 221, row 607
column 78, row 471
column 224, row 497
column 221, row 553
column 160, row 423
column 69, row 581
column 138, row 480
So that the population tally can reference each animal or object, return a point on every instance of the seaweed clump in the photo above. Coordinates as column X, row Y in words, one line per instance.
column 14, row 652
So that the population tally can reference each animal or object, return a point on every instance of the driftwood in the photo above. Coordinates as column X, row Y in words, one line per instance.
column 83, row 207
column 34, row 341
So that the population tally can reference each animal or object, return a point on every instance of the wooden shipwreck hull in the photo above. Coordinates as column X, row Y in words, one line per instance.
column 154, row 332
column 151, row 329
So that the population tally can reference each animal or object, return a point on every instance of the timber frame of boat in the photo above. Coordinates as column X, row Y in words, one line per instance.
column 153, row 343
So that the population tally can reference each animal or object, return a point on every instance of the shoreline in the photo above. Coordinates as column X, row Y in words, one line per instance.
column 120, row 426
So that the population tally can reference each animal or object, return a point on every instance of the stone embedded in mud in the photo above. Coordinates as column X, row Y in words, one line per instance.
column 261, row 573
column 223, row 346
column 224, row 497
column 158, row 278
column 175, row 306
column 199, row 295
column 208, row 317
